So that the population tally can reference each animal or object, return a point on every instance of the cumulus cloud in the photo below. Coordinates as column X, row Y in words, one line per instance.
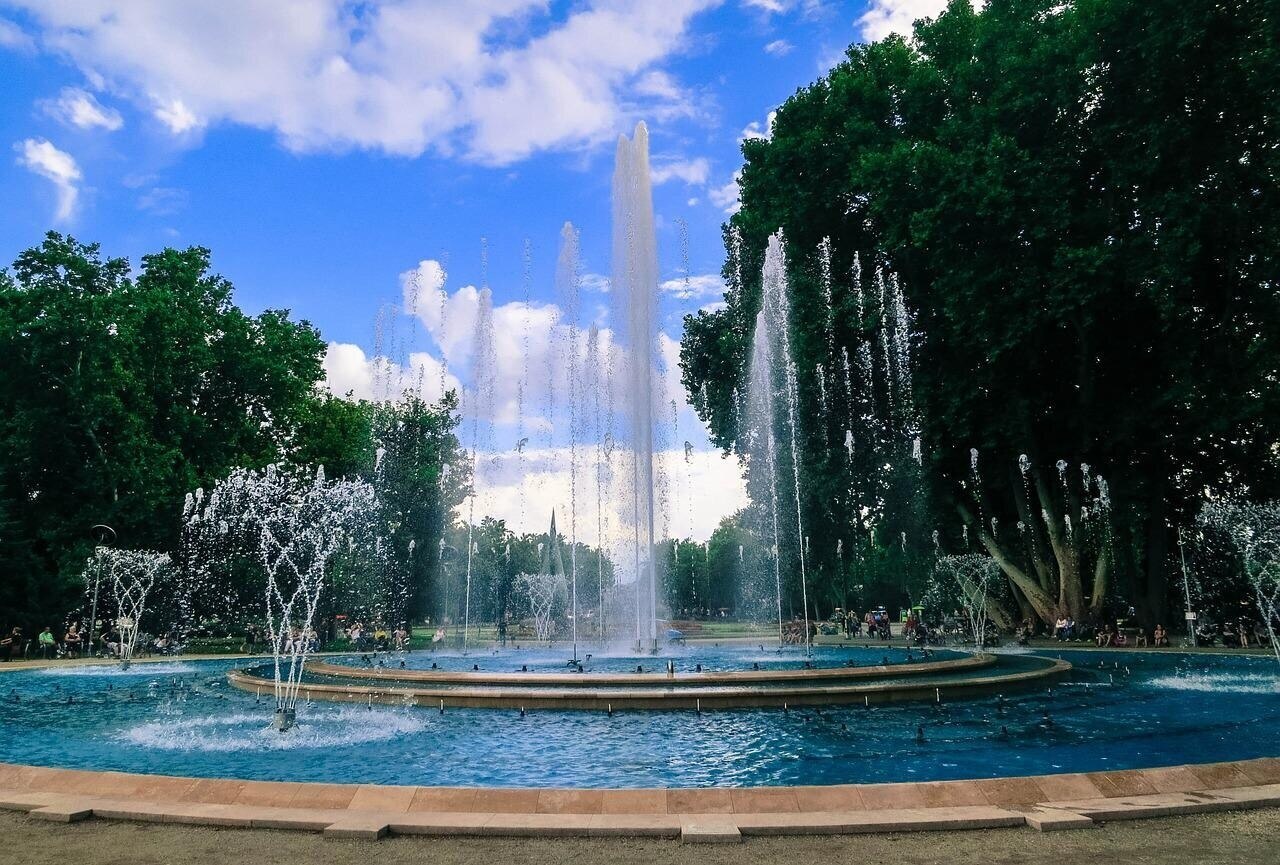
column 525, row 462
column 700, row 286
column 58, row 167
column 176, row 116
column 13, row 38
column 754, row 129
column 884, row 17
column 726, row 197
column 770, row 7
column 81, row 109
column 521, row 488
column 349, row 371
column 778, row 48
column 693, row 172
column 533, row 342
column 494, row 80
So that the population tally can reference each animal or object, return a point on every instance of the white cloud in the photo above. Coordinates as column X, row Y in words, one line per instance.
column 727, row 197
column 693, row 172
column 778, row 48
column 596, row 282
column 13, row 38
column 695, row 287
column 523, row 487
column 81, row 109
column 163, row 200
column 494, row 80
column 176, row 116
column 56, row 166
column 754, row 130
column 896, row 16
column 348, row 370
column 770, row 7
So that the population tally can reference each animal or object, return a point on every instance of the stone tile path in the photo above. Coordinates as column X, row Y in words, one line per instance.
column 723, row 815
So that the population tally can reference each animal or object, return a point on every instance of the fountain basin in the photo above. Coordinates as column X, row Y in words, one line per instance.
column 1144, row 709
column 932, row 681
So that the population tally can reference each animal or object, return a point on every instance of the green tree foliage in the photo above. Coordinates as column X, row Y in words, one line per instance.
column 1079, row 200
column 421, row 476
column 123, row 393
column 498, row 556
column 120, row 394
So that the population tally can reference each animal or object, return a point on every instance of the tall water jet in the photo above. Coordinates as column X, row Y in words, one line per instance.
column 593, row 384
column 635, row 290
column 762, row 422
column 776, row 304
column 568, row 283
column 484, row 363
column 522, row 386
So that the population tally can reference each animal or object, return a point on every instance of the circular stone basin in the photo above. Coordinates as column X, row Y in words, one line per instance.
column 1141, row 710
column 720, row 680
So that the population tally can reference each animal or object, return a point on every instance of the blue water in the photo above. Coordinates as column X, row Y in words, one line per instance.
column 1167, row 709
column 713, row 657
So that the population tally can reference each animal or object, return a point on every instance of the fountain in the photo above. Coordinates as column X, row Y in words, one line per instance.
column 545, row 586
column 760, row 410
column 132, row 573
column 966, row 580
column 773, row 372
column 484, row 371
column 568, row 284
column 634, row 293
column 596, row 375
column 293, row 525
column 1254, row 529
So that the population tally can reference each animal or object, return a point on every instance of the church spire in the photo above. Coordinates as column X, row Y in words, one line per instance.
column 552, row 562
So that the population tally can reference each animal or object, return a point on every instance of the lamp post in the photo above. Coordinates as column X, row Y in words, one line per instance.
column 1186, row 591
column 104, row 535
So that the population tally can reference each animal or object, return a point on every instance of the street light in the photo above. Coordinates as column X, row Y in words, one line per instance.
column 104, row 535
column 1186, row 590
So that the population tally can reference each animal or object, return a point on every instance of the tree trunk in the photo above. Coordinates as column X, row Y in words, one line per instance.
column 1021, row 493
column 1070, row 594
column 1040, row 600
column 1101, row 577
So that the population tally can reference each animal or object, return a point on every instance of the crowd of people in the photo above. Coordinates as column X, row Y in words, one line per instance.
column 377, row 637
column 110, row 639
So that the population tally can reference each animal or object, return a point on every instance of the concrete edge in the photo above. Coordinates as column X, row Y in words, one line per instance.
column 689, row 828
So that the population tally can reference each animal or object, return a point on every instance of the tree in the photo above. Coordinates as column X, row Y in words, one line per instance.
column 1076, row 205
column 421, row 475
column 119, row 395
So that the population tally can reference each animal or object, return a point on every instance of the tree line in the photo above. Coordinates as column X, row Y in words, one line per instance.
column 1064, row 216
column 123, row 392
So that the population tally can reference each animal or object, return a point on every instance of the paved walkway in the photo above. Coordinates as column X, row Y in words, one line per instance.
column 707, row 815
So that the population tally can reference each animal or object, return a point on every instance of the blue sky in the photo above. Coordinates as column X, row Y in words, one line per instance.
column 322, row 148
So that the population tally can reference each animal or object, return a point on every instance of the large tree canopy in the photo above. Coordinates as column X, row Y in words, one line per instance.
column 120, row 394
column 1079, row 202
